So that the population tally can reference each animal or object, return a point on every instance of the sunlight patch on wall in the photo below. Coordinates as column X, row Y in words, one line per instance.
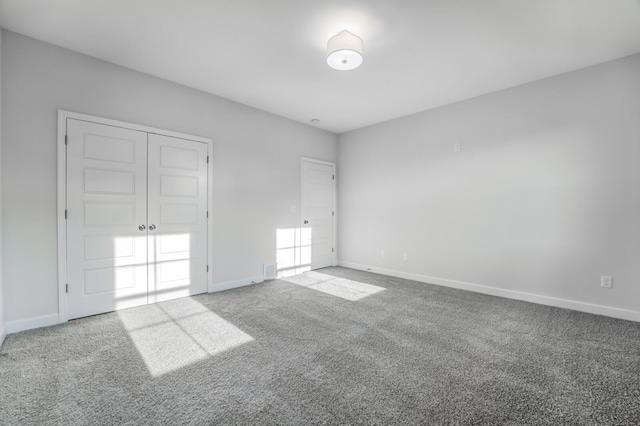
column 293, row 251
column 340, row 287
column 172, row 335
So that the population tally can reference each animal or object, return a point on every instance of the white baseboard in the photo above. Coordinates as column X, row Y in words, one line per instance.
column 228, row 285
column 590, row 308
column 3, row 333
column 30, row 323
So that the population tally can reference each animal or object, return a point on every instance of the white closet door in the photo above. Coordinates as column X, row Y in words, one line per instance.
column 317, row 215
column 177, row 206
column 106, row 225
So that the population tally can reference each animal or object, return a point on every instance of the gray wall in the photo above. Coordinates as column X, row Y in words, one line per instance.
column 543, row 197
column 256, row 161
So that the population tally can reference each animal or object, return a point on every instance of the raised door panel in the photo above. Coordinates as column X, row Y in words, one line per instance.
column 106, row 203
column 177, row 187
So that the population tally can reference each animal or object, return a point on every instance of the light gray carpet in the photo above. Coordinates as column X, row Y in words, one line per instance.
column 294, row 354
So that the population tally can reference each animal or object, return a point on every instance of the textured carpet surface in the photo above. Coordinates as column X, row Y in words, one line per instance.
column 338, row 347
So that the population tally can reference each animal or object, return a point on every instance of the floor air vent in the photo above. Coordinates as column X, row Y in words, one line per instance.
column 270, row 271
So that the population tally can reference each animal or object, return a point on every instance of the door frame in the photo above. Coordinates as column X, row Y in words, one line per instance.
column 63, row 115
column 334, row 259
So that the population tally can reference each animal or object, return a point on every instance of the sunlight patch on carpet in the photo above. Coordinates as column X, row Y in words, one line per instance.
column 339, row 287
column 174, row 334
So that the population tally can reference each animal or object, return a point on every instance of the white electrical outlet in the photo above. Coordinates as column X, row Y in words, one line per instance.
column 457, row 147
column 606, row 281
column 381, row 253
column 404, row 256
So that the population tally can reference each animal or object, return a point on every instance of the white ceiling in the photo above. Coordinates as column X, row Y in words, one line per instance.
column 270, row 54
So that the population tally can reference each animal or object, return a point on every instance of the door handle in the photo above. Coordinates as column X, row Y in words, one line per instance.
column 306, row 222
column 152, row 227
column 142, row 227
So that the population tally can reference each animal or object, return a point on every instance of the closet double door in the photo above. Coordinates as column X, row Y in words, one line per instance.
column 136, row 218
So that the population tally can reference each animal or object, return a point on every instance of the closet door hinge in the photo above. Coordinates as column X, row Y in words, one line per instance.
column 332, row 250
column 207, row 213
column 207, row 268
column 65, row 214
column 333, row 177
column 207, row 159
column 333, row 213
column 66, row 288
column 66, row 139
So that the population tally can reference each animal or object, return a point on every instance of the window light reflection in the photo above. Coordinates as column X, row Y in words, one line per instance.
column 293, row 251
column 174, row 334
column 335, row 286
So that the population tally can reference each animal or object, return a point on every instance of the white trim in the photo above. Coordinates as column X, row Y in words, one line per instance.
column 210, row 215
column 335, row 215
column 313, row 160
column 31, row 323
column 334, row 262
column 62, row 225
column 3, row 334
column 130, row 126
column 62, row 200
column 557, row 302
column 228, row 285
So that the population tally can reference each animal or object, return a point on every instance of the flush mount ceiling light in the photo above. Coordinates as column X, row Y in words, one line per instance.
column 344, row 51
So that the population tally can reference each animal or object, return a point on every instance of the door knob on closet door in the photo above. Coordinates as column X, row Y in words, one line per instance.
column 152, row 227
column 142, row 227
column 306, row 222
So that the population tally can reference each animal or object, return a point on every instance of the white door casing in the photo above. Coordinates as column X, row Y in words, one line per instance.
column 317, row 211
column 108, row 258
column 177, row 208
column 106, row 205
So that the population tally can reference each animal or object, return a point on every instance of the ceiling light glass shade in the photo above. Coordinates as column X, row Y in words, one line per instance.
column 344, row 51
